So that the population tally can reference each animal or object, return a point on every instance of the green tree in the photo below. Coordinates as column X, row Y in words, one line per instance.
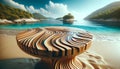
column 11, row 13
column 68, row 16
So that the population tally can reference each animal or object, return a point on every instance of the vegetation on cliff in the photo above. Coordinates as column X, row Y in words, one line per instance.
column 10, row 13
column 68, row 16
column 110, row 12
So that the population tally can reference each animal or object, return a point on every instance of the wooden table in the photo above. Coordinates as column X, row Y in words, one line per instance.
column 57, row 47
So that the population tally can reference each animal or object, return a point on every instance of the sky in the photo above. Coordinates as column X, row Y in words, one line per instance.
column 59, row 8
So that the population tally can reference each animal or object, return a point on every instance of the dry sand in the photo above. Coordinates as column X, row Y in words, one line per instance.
column 9, row 48
column 106, row 47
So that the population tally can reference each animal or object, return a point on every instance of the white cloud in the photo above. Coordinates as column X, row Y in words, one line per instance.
column 31, row 9
column 54, row 9
column 43, row 11
column 51, row 10
column 15, row 4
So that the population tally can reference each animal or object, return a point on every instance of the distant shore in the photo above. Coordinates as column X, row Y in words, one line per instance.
column 105, row 20
column 23, row 20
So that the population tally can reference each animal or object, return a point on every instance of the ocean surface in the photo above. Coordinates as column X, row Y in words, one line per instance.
column 82, row 24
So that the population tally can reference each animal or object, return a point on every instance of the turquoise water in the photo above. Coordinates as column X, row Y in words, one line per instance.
column 86, row 25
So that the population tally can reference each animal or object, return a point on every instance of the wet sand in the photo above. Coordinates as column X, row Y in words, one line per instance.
column 107, row 50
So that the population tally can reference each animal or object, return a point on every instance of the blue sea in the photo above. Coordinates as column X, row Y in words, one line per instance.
column 82, row 24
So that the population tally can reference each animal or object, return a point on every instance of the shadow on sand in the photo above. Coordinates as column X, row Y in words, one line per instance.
column 42, row 65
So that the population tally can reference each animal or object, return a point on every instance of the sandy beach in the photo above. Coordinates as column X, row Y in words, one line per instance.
column 105, row 46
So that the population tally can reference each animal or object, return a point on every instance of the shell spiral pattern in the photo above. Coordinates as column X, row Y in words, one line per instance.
column 54, row 41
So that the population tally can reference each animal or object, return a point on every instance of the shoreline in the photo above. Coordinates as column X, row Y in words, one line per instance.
column 106, row 46
column 17, row 21
column 109, row 23
column 104, row 20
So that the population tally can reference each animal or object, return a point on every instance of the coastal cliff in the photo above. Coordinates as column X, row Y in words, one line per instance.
column 10, row 15
column 109, row 13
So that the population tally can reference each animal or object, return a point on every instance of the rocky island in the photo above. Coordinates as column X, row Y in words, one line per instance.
column 67, row 19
